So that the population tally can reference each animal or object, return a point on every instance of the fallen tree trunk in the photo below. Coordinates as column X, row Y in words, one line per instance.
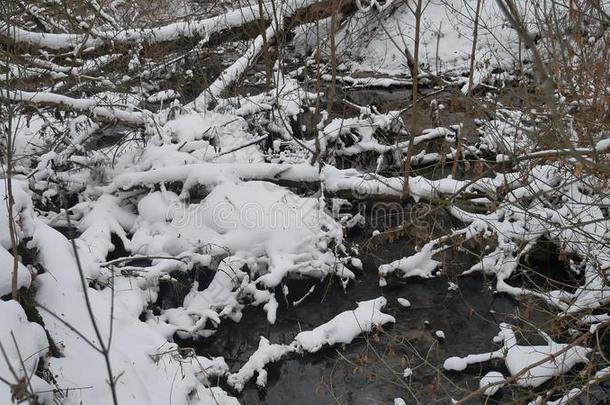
column 236, row 70
column 285, row 17
column 78, row 104
column 302, row 11
column 349, row 183
column 292, row 12
column 297, row 11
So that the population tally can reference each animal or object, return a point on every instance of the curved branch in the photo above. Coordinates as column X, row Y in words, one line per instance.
column 80, row 104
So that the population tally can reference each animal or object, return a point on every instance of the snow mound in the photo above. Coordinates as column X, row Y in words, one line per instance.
column 21, row 340
column 286, row 234
column 344, row 327
column 404, row 302
column 22, row 203
column 519, row 357
column 143, row 361
column 6, row 275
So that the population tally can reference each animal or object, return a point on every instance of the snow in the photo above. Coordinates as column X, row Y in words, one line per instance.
column 275, row 223
column 519, row 357
column 574, row 393
column 369, row 82
column 334, row 180
column 271, row 231
column 211, row 188
column 156, row 206
column 493, row 377
column 142, row 358
column 173, row 31
column 522, row 221
column 6, row 264
column 232, row 73
column 266, row 353
column 101, row 219
column 307, row 294
column 207, row 136
column 235, row 70
column 51, row 41
column 80, row 104
column 21, row 203
column 162, row 96
column 507, row 134
column 446, row 39
column 420, row 264
column 603, row 145
column 461, row 363
column 344, row 327
column 403, row 302
column 522, row 360
column 24, row 346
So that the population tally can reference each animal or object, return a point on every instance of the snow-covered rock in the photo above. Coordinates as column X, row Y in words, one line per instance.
column 344, row 327
column 405, row 303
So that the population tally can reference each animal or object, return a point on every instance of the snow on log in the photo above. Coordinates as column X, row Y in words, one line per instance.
column 360, row 185
column 344, row 327
column 530, row 366
column 79, row 104
column 238, row 68
column 166, row 33
column 266, row 353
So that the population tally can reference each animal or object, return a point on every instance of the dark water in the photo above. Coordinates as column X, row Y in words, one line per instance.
column 369, row 371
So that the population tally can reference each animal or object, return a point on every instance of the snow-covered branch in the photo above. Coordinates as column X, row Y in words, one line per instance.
column 79, row 104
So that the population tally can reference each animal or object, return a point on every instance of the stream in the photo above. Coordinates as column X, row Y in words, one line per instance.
column 369, row 370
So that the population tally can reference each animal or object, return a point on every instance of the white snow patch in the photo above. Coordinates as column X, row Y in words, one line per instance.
column 519, row 357
column 404, row 302
column 266, row 353
column 493, row 377
column 30, row 344
column 344, row 327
